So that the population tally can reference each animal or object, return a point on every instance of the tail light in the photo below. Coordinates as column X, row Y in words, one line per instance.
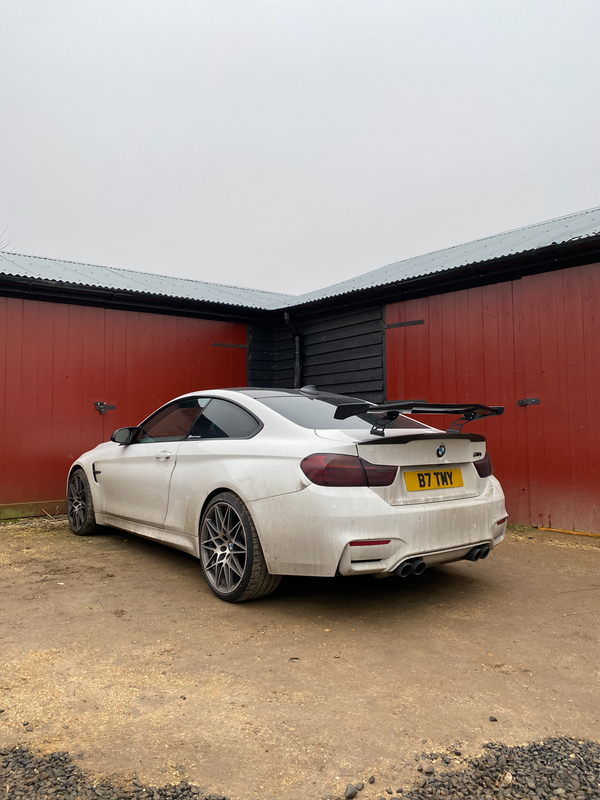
column 484, row 466
column 379, row 474
column 329, row 469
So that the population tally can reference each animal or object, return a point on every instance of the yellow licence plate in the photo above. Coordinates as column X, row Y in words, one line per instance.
column 433, row 479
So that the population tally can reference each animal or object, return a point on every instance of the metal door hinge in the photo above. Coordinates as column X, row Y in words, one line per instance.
column 104, row 407
column 529, row 401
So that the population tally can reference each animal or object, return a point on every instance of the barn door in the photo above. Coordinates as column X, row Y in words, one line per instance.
column 561, row 357
column 58, row 360
column 513, row 344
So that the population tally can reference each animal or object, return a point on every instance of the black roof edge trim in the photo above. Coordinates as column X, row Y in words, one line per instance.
column 481, row 273
column 44, row 291
column 498, row 270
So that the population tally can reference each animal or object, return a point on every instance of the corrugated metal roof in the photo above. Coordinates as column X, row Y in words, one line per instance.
column 74, row 273
column 571, row 228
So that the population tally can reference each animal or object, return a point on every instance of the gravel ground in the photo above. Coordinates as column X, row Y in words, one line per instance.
column 561, row 768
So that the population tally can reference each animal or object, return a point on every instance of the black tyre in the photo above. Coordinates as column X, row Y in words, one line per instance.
column 230, row 553
column 80, row 506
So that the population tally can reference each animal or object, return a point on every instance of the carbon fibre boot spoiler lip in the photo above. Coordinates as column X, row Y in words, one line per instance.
column 406, row 438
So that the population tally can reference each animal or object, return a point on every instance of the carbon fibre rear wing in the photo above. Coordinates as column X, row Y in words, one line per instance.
column 471, row 412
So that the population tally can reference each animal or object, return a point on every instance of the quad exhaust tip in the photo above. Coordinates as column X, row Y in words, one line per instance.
column 412, row 566
column 416, row 566
column 477, row 553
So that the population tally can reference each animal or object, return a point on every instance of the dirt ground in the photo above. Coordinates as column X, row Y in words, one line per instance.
column 113, row 648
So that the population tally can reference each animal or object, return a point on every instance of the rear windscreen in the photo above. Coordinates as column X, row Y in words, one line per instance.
column 317, row 413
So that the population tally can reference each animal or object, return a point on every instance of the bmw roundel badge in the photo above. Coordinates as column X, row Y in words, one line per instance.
column 441, row 451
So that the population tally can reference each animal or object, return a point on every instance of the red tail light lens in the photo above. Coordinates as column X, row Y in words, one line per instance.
column 334, row 470
column 484, row 466
column 379, row 474
column 329, row 469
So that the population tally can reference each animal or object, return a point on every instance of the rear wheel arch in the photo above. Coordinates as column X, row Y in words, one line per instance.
column 209, row 499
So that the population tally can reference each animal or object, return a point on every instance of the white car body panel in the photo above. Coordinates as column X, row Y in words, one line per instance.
column 136, row 481
column 217, row 463
column 304, row 529
column 320, row 527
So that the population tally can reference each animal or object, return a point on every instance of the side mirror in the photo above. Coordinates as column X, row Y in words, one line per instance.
column 123, row 435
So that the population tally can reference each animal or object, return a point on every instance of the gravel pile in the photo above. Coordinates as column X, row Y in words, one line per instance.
column 55, row 777
column 556, row 769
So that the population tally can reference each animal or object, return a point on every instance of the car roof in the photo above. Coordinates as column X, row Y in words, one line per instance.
column 258, row 393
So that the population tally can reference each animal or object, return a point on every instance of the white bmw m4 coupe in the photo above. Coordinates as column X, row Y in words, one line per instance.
column 261, row 483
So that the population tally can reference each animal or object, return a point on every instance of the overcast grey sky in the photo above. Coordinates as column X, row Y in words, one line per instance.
column 290, row 144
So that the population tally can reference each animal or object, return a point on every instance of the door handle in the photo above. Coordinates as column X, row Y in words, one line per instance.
column 163, row 455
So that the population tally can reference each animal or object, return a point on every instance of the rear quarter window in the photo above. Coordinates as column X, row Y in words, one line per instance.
column 224, row 420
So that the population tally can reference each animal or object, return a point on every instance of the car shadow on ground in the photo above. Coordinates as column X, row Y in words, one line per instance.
column 364, row 596
column 303, row 597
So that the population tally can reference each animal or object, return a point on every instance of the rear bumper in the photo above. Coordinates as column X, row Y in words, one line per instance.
column 310, row 532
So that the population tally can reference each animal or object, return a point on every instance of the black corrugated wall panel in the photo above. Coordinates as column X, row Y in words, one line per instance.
column 341, row 351
column 270, row 355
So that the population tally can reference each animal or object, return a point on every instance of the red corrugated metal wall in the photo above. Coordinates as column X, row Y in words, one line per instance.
column 537, row 337
column 56, row 360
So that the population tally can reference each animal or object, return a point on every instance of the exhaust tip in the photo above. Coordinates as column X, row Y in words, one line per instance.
column 412, row 566
column 485, row 551
column 419, row 566
column 474, row 554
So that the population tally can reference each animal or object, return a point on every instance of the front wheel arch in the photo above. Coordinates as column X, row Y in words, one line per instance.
column 80, row 504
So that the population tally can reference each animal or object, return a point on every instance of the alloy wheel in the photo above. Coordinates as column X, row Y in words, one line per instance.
column 223, row 547
column 76, row 502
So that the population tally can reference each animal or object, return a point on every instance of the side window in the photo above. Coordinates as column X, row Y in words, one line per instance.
column 224, row 420
column 171, row 424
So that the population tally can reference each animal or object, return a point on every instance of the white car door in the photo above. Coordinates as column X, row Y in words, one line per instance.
column 135, row 478
column 211, row 453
